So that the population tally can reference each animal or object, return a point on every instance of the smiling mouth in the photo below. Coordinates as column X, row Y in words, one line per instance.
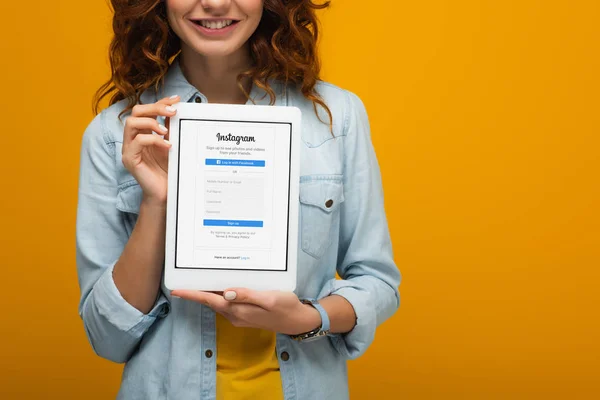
column 215, row 25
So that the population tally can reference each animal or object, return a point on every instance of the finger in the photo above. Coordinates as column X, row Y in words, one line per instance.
column 162, row 107
column 167, row 122
column 169, row 101
column 212, row 300
column 154, row 109
column 263, row 299
column 135, row 126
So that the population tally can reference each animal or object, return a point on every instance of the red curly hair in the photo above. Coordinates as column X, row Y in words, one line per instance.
column 283, row 47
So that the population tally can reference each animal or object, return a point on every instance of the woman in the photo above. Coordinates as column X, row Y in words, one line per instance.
column 240, row 344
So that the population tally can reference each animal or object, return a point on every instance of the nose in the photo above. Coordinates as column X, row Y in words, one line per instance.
column 216, row 5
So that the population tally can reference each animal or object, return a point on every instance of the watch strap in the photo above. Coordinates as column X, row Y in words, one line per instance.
column 322, row 330
column 324, row 317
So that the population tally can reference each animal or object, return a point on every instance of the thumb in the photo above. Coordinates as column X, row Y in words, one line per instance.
column 248, row 296
column 167, row 120
column 230, row 295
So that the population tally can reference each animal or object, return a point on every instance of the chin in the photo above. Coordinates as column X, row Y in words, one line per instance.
column 215, row 49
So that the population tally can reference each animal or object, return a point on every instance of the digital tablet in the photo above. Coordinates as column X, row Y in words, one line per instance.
column 232, row 206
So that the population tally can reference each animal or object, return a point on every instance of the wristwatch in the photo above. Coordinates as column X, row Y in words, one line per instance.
column 322, row 330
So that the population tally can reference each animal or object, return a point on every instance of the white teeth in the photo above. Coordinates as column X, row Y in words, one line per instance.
column 216, row 24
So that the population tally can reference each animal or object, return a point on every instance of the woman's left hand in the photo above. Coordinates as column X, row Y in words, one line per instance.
column 272, row 310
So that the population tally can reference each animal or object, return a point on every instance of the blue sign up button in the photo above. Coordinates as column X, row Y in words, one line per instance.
column 234, row 163
column 233, row 222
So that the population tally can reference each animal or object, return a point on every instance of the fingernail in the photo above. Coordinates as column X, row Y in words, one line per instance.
column 170, row 109
column 231, row 295
column 167, row 142
column 174, row 96
column 163, row 128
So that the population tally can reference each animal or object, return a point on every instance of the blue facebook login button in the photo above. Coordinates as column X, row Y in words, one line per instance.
column 234, row 163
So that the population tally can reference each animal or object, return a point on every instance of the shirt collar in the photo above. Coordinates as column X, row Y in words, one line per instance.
column 175, row 83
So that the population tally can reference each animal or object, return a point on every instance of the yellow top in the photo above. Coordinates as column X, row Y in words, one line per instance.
column 247, row 365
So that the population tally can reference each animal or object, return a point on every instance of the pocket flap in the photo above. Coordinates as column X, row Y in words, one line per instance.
column 129, row 197
column 325, row 194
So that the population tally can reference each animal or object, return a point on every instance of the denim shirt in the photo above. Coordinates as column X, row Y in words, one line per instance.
column 166, row 350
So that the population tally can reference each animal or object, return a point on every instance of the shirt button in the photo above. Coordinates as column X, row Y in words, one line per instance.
column 208, row 353
column 329, row 203
column 285, row 356
column 198, row 100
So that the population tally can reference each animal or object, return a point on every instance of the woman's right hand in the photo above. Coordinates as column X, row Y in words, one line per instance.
column 146, row 156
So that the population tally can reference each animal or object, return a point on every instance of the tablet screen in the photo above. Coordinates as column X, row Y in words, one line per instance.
column 233, row 195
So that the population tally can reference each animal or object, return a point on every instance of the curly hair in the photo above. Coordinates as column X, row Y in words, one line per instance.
column 283, row 47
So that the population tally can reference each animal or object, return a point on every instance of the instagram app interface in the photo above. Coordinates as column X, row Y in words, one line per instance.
column 233, row 195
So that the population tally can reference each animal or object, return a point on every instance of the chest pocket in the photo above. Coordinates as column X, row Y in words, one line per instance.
column 320, row 199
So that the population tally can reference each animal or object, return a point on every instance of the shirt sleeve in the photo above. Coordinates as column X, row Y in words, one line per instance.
column 370, row 278
column 114, row 327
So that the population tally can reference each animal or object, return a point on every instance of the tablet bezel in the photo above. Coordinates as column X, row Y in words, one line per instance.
column 220, row 279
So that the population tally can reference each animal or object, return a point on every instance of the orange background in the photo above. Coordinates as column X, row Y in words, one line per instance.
column 485, row 118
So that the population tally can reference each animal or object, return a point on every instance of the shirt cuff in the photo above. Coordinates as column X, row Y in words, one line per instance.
column 354, row 343
column 118, row 312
